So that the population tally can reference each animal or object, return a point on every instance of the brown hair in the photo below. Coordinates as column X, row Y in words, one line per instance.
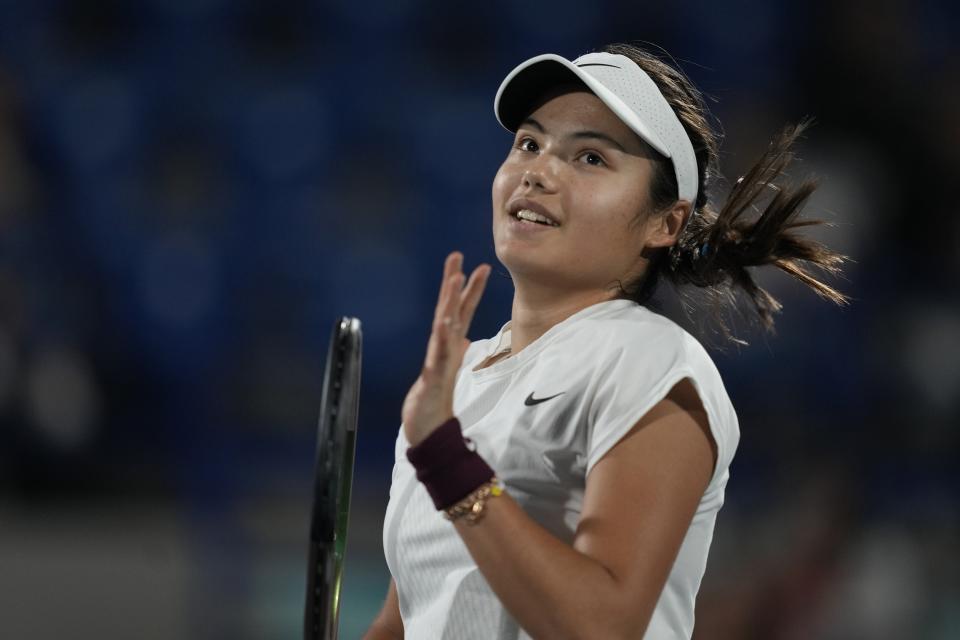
column 715, row 248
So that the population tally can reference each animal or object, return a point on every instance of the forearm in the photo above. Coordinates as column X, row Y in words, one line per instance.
column 379, row 632
column 550, row 588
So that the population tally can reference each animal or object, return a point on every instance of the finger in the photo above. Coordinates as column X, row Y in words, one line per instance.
column 436, row 351
column 470, row 297
column 446, row 317
column 445, row 324
column 450, row 314
column 450, row 266
column 474, row 288
column 452, row 263
column 436, row 346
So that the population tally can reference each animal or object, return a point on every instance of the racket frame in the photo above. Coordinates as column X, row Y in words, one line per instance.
column 333, row 480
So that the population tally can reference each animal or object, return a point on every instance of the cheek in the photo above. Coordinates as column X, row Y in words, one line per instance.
column 503, row 184
column 608, row 224
column 610, row 211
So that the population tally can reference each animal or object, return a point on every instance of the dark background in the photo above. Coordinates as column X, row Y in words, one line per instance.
column 192, row 191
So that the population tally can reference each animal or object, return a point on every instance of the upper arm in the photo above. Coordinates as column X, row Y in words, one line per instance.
column 389, row 618
column 642, row 494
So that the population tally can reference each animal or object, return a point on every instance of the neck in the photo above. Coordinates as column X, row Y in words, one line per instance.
column 535, row 312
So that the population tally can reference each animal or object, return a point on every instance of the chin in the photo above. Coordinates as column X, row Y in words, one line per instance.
column 525, row 264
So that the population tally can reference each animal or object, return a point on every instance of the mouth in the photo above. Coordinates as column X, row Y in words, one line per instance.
column 528, row 212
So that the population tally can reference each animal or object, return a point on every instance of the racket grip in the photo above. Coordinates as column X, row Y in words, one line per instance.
column 447, row 467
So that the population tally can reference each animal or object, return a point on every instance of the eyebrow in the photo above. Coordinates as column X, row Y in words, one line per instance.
column 577, row 134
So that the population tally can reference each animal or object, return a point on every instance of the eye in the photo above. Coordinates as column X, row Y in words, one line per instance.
column 594, row 159
column 527, row 144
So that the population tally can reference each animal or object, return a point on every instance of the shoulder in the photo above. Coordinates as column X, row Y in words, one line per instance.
column 639, row 335
column 640, row 357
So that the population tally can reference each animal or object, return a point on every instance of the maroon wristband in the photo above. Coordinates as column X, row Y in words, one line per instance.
column 447, row 468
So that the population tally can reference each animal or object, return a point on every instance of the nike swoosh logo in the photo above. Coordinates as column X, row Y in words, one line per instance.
column 530, row 401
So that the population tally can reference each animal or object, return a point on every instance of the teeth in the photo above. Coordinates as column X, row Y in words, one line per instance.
column 533, row 216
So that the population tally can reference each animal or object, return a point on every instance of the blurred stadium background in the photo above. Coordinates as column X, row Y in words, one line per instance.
column 191, row 191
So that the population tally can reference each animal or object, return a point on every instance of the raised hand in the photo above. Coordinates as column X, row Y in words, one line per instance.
column 429, row 403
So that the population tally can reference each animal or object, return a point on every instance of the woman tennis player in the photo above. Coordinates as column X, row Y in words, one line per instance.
column 562, row 478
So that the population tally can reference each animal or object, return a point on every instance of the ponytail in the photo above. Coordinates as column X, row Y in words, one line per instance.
column 716, row 248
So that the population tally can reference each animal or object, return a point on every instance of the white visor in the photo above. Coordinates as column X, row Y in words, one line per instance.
column 623, row 86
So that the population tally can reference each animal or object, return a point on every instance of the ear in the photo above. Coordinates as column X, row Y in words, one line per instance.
column 666, row 227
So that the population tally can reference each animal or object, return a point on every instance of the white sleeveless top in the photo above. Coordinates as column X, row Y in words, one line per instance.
column 606, row 366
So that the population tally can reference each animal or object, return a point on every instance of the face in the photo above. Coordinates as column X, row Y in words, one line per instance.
column 579, row 164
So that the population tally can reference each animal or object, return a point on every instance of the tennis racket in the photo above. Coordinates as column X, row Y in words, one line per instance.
column 333, row 480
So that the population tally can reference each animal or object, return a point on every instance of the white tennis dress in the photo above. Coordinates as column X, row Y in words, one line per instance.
column 602, row 369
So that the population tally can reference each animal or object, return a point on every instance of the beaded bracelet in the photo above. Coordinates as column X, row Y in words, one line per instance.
column 473, row 506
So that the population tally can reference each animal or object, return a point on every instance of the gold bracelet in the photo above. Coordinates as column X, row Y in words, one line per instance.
column 472, row 507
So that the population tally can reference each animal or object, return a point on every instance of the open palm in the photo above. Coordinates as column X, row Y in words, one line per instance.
column 429, row 403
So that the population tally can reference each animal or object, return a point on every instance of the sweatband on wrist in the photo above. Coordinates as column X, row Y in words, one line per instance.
column 446, row 466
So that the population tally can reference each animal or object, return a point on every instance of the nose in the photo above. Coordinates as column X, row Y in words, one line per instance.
column 539, row 175
column 532, row 178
